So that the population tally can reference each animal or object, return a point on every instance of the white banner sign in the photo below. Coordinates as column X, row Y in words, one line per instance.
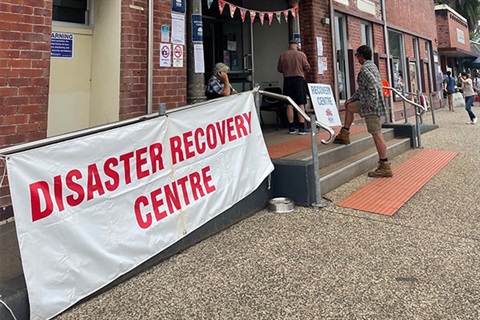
column 91, row 209
column 323, row 102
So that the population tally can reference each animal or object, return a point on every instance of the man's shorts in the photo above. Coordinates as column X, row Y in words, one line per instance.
column 374, row 125
column 295, row 88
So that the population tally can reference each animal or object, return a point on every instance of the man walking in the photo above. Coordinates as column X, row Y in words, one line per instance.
column 293, row 64
column 368, row 102
column 449, row 88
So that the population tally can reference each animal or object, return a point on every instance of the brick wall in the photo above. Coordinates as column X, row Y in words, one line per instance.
column 25, row 28
column 447, row 24
column 169, row 84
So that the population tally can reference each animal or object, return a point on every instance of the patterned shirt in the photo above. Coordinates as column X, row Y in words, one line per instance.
column 214, row 87
column 370, row 92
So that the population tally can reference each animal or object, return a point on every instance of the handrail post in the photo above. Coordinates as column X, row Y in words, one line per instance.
column 405, row 114
column 316, row 167
column 432, row 109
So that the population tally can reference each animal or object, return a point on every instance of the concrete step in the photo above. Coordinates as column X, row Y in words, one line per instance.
column 294, row 175
column 343, row 170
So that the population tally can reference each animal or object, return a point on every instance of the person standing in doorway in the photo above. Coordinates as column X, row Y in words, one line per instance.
column 293, row 64
column 449, row 88
column 469, row 96
column 368, row 102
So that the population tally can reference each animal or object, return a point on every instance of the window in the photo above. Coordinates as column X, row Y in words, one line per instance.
column 74, row 11
column 340, row 44
column 395, row 41
column 366, row 31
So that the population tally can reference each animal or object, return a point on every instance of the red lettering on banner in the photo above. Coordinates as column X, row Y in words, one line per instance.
column 143, row 223
column 188, row 143
column 230, row 129
column 156, row 159
column 221, row 132
column 125, row 158
column 35, row 200
column 78, row 187
column 58, row 191
column 94, row 183
column 185, row 147
column 212, row 137
column 157, row 203
column 140, row 162
column 75, row 187
column 201, row 148
column 198, row 183
column 112, row 184
column 176, row 149
column 183, row 184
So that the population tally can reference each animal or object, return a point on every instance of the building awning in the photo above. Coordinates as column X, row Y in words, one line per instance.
column 456, row 53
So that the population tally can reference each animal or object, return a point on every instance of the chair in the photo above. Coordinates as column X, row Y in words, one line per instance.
column 274, row 105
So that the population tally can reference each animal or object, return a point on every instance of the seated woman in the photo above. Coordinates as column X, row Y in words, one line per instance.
column 218, row 85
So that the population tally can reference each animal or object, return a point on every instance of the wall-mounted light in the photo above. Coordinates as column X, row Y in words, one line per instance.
column 326, row 21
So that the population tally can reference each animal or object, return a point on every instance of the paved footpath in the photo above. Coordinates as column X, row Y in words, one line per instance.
column 333, row 263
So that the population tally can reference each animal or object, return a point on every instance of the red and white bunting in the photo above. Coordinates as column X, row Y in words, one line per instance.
column 253, row 14
column 270, row 17
column 278, row 15
column 232, row 9
column 221, row 5
column 243, row 12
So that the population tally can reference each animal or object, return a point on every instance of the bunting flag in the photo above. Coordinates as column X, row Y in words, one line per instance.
column 278, row 15
column 262, row 17
column 232, row 9
column 209, row 3
column 270, row 17
column 253, row 13
column 243, row 13
column 221, row 5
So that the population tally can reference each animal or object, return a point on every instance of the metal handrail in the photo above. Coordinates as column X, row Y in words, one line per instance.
column 420, row 109
column 299, row 110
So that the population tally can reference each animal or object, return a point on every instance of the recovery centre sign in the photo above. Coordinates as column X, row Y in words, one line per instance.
column 91, row 209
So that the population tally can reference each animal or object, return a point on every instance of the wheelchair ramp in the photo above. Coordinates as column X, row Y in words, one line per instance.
column 387, row 195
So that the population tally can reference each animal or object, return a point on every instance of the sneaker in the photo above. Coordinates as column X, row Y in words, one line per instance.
column 292, row 130
column 304, row 131
column 474, row 120
column 470, row 122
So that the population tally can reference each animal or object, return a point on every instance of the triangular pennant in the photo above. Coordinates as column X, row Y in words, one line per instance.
column 285, row 14
column 279, row 16
column 252, row 16
column 243, row 13
column 209, row 3
column 232, row 9
column 270, row 17
column 293, row 12
column 262, row 17
column 221, row 5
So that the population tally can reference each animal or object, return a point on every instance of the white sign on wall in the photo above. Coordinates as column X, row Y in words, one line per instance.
column 460, row 36
column 323, row 101
column 91, row 209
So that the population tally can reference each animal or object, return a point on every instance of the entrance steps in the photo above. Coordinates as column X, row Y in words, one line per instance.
column 293, row 176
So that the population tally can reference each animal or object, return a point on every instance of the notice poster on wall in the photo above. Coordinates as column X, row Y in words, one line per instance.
column 165, row 54
column 61, row 45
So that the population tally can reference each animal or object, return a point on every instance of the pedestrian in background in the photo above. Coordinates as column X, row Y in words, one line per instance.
column 293, row 64
column 449, row 88
column 368, row 102
column 469, row 95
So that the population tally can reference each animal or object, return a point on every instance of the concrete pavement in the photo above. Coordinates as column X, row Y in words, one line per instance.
column 332, row 263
